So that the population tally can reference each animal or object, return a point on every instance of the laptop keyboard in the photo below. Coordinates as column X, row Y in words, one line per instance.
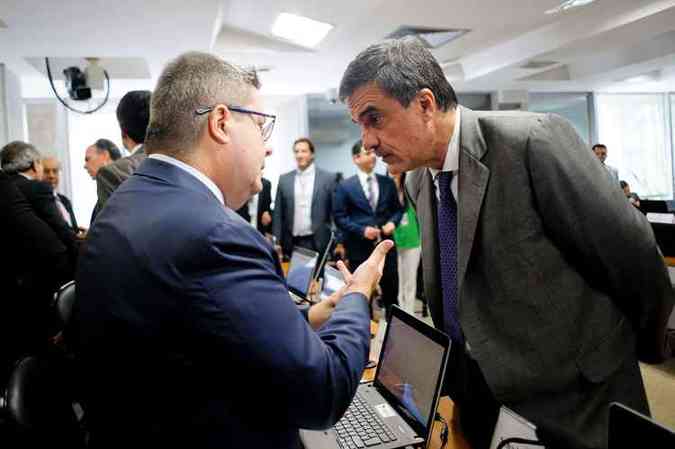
column 362, row 427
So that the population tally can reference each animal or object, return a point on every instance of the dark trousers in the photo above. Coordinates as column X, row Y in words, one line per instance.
column 305, row 241
column 389, row 280
column 475, row 404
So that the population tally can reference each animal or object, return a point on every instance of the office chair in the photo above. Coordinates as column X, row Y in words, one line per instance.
column 37, row 407
column 64, row 299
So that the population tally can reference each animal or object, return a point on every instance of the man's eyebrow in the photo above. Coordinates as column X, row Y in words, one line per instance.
column 366, row 111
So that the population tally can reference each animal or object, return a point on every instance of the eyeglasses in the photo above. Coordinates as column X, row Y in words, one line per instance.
column 265, row 129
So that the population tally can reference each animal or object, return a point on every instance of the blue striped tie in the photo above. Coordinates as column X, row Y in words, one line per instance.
column 447, row 240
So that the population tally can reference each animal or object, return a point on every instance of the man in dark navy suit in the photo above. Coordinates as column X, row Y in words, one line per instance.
column 183, row 323
column 366, row 210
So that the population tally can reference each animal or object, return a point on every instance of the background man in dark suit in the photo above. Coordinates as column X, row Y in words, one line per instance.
column 36, row 264
column 366, row 210
column 303, row 205
column 133, row 115
column 52, row 175
column 176, row 292
column 547, row 313
column 258, row 209
column 23, row 162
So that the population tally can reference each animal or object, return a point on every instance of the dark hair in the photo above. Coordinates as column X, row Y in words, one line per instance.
column 109, row 146
column 357, row 147
column 599, row 145
column 401, row 68
column 133, row 114
column 307, row 141
column 18, row 157
column 623, row 184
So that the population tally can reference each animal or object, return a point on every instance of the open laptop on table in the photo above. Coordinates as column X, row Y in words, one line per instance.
column 630, row 429
column 398, row 408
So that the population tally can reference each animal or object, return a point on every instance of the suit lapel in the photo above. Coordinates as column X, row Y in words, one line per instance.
column 315, row 192
column 291, row 200
column 473, row 181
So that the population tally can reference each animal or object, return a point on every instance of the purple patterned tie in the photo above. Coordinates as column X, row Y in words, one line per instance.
column 447, row 241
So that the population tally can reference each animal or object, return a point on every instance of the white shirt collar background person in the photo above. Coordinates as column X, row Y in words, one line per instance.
column 363, row 179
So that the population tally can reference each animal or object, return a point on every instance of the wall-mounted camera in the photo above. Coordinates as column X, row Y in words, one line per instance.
column 79, row 84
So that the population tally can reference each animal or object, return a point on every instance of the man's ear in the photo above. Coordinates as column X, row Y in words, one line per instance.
column 427, row 101
column 219, row 124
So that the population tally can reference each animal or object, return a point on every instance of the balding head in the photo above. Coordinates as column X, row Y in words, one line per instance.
column 52, row 171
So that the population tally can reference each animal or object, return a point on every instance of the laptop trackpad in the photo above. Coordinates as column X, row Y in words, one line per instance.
column 319, row 439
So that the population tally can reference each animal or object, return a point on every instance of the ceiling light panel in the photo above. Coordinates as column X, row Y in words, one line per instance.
column 300, row 30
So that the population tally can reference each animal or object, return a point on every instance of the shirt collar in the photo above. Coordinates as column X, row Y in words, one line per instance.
column 363, row 177
column 309, row 171
column 26, row 176
column 135, row 149
column 451, row 162
column 193, row 171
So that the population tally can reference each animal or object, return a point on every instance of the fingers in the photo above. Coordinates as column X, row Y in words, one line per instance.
column 345, row 272
column 381, row 250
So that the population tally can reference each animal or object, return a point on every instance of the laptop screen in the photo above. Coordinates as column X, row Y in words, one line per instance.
column 411, row 368
column 628, row 428
column 301, row 270
column 333, row 280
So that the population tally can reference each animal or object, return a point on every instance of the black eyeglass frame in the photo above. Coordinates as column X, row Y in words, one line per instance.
column 265, row 130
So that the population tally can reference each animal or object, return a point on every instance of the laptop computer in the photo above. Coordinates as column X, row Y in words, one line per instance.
column 398, row 408
column 301, row 272
column 628, row 428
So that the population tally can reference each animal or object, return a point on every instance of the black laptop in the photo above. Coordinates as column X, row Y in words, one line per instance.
column 630, row 429
column 398, row 408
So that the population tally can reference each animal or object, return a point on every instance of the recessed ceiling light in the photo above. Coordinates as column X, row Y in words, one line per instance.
column 299, row 29
column 569, row 4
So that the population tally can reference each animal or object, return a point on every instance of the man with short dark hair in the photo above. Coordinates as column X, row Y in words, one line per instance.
column 99, row 154
column 176, row 292
column 303, row 205
column 546, row 312
column 24, row 162
column 367, row 210
column 133, row 115
column 600, row 151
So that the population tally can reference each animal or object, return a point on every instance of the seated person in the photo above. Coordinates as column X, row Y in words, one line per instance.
column 633, row 197
column 183, row 323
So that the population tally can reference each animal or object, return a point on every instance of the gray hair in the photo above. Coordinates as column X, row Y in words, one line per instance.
column 191, row 81
column 401, row 68
column 18, row 156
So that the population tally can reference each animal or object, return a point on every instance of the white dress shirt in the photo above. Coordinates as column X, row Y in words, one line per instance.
column 253, row 210
column 451, row 162
column 194, row 172
column 303, row 192
column 363, row 179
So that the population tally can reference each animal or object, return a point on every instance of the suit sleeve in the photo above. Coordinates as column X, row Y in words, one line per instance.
column 394, row 206
column 45, row 205
column 341, row 213
column 599, row 231
column 277, row 213
column 307, row 377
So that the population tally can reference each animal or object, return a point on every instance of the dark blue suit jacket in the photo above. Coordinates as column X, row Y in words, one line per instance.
column 187, row 334
column 352, row 213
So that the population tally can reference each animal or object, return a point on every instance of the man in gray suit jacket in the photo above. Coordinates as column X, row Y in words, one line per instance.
column 133, row 115
column 520, row 225
column 304, row 203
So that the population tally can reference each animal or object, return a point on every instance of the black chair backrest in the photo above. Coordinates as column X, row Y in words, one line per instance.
column 63, row 302
column 656, row 206
column 39, row 406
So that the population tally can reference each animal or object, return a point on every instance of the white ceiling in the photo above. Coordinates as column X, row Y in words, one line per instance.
column 594, row 47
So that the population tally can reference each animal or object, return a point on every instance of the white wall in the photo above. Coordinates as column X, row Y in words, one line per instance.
column 13, row 107
column 291, row 112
